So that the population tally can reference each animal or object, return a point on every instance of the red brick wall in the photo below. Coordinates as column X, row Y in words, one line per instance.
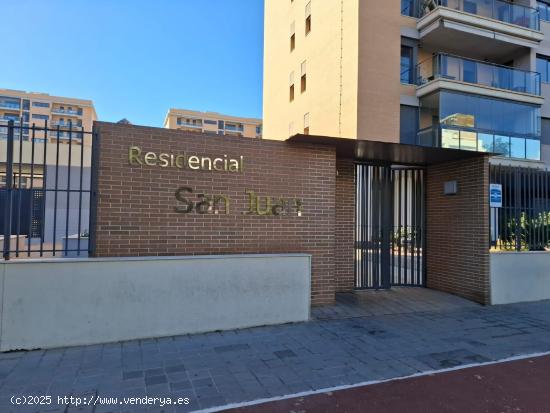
column 458, row 230
column 345, row 225
column 135, row 207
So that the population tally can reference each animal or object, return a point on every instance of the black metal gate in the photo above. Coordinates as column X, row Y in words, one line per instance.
column 45, row 189
column 522, row 223
column 389, row 226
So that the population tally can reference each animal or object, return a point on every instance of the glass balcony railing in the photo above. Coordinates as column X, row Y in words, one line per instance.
column 236, row 128
column 482, row 141
column 6, row 119
column 190, row 124
column 66, row 135
column 67, row 111
column 444, row 66
column 504, row 11
column 64, row 125
column 5, row 104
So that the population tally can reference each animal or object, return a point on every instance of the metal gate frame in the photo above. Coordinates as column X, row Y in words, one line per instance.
column 389, row 241
column 61, row 194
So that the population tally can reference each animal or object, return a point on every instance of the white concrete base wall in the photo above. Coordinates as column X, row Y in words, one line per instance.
column 64, row 302
column 519, row 277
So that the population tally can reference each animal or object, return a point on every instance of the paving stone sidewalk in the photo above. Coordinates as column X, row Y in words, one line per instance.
column 219, row 368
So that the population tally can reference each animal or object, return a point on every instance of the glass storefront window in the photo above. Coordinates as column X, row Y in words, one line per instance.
column 532, row 148
column 517, row 148
column 502, row 145
column 450, row 138
column 485, row 142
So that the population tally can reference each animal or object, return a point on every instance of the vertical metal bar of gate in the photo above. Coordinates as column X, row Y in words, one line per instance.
column 9, row 192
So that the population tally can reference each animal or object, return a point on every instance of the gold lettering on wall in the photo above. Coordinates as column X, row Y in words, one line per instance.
column 219, row 204
column 225, row 163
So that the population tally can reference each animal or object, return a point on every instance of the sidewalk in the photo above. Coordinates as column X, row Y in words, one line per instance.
column 220, row 368
column 515, row 386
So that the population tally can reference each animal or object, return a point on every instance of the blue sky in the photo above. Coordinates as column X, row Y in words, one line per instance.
column 137, row 58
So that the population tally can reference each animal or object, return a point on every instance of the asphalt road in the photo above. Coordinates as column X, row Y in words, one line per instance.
column 515, row 386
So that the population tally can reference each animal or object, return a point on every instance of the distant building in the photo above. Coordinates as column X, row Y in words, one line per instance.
column 214, row 123
column 124, row 121
column 42, row 163
column 39, row 108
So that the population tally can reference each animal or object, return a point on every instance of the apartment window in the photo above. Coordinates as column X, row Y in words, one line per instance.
column 408, row 124
column 543, row 67
column 221, row 124
column 407, row 8
column 406, row 64
column 258, row 130
column 306, row 124
column 210, row 122
column 291, row 80
column 470, row 6
column 308, row 18
column 41, row 104
column 26, row 104
column 544, row 10
column 545, row 131
column 303, row 80
column 41, row 117
column 292, row 36
column 9, row 103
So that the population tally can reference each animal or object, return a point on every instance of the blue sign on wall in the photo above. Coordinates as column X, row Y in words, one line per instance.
column 495, row 195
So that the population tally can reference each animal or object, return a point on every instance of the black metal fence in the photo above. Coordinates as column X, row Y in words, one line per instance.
column 523, row 222
column 45, row 189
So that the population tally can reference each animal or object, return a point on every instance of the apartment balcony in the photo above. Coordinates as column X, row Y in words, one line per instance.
column 67, row 112
column 470, row 139
column 234, row 128
column 65, row 125
column 190, row 125
column 6, row 119
column 10, row 105
column 443, row 71
column 490, row 28
column 66, row 135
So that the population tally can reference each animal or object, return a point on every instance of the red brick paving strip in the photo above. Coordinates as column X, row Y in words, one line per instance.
column 515, row 386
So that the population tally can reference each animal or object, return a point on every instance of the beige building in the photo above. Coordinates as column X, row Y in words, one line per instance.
column 452, row 73
column 213, row 123
column 39, row 108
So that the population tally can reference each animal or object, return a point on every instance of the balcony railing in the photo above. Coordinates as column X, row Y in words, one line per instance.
column 67, row 111
column 472, row 139
column 190, row 124
column 236, row 128
column 448, row 67
column 66, row 135
column 63, row 125
column 9, row 105
column 5, row 119
column 504, row 11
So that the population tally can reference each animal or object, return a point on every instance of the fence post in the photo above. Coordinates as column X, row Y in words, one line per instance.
column 9, row 188
column 94, row 195
column 517, row 207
